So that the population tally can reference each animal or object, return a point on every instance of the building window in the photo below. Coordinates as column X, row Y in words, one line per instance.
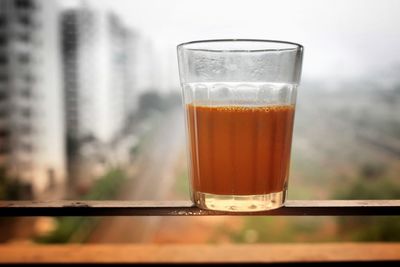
column 3, row 113
column 3, row 77
column 26, row 147
column 4, row 132
column 26, row 112
column 25, row 165
column 25, row 20
column 25, row 129
column 28, row 78
column 3, row 96
column 3, row 21
column 24, row 4
column 4, row 148
column 24, row 58
column 3, row 59
column 24, row 37
column 27, row 92
column 3, row 40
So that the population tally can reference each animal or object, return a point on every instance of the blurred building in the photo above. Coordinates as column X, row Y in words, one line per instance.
column 32, row 146
column 98, row 62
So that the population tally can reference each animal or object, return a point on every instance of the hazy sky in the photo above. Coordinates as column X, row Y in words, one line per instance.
column 342, row 38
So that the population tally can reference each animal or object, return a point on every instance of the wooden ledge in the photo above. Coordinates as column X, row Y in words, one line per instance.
column 257, row 253
column 186, row 208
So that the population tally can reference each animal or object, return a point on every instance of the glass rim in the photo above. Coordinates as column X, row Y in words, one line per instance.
column 295, row 46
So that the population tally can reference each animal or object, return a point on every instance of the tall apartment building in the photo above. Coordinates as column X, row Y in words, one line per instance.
column 98, row 62
column 96, row 53
column 32, row 143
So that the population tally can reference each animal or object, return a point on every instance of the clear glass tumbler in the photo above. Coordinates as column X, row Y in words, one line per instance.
column 239, row 98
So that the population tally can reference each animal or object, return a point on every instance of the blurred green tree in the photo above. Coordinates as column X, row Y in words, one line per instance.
column 371, row 184
column 10, row 189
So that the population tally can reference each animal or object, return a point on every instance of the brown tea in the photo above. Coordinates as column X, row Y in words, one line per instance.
column 240, row 150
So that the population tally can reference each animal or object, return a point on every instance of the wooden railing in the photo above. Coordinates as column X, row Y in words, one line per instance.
column 186, row 208
column 333, row 253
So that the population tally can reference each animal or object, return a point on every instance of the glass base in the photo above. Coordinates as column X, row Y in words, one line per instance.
column 239, row 203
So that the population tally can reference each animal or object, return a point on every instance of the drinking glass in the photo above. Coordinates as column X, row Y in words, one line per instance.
column 239, row 98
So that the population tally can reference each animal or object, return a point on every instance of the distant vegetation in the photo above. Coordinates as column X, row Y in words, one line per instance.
column 372, row 183
column 77, row 229
column 11, row 188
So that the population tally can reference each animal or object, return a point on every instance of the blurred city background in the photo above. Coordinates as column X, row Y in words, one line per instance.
column 90, row 108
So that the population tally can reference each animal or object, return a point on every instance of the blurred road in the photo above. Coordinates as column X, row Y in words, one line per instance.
column 155, row 172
